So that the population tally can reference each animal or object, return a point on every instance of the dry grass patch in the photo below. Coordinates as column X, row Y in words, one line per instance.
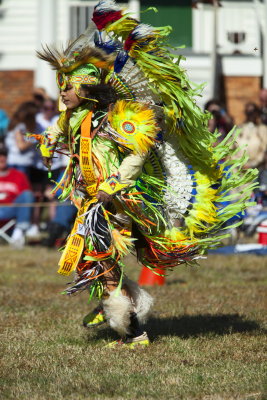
column 208, row 333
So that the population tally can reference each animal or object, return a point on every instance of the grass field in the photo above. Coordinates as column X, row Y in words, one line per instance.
column 208, row 333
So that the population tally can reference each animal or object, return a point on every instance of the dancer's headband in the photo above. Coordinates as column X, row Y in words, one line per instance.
column 86, row 74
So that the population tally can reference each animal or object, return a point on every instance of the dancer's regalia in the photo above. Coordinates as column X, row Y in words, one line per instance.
column 149, row 149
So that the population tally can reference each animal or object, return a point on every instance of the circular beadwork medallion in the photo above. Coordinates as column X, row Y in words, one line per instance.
column 128, row 127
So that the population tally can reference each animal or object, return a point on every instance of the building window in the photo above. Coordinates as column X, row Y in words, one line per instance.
column 80, row 17
column 177, row 14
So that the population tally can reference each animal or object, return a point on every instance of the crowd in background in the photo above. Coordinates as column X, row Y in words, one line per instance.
column 252, row 136
column 24, row 178
column 45, row 220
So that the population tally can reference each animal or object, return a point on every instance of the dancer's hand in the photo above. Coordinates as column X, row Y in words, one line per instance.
column 103, row 197
column 47, row 162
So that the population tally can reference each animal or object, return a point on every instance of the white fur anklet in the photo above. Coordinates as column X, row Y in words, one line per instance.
column 117, row 308
column 142, row 301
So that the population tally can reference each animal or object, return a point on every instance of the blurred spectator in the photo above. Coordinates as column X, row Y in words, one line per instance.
column 221, row 120
column 42, row 186
column 254, row 135
column 262, row 192
column 14, row 189
column 39, row 173
column 4, row 121
column 21, row 151
column 62, row 220
column 263, row 106
column 46, row 117
column 60, row 225
column 39, row 97
column 48, row 114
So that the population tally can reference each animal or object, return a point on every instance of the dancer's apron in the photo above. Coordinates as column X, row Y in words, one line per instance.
column 75, row 242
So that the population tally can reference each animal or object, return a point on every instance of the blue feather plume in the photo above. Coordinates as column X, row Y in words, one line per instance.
column 109, row 46
column 120, row 61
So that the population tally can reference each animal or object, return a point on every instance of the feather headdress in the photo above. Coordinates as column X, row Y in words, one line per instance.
column 66, row 61
column 78, row 52
column 80, row 58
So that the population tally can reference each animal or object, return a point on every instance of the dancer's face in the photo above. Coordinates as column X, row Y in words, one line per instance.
column 70, row 98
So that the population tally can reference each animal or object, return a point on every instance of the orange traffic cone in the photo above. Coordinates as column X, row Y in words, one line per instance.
column 149, row 278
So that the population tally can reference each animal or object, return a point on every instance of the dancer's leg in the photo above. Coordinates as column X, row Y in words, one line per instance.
column 122, row 307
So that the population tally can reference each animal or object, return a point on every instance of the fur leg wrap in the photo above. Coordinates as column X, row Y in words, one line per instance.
column 142, row 301
column 117, row 308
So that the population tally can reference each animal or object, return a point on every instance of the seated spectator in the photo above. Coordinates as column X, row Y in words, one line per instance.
column 45, row 118
column 262, row 191
column 253, row 135
column 39, row 174
column 62, row 219
column 21, row 151
column 48, row 114
column 60, row 225
column 263, row 106
column 15, row 189
column 221, row 120
column 38, row 97
column 4, row 121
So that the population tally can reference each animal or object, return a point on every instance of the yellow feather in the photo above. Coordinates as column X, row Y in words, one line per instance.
column 204, row 212
column 122, row 243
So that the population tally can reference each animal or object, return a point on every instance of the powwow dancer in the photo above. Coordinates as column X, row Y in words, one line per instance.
column 143, row 169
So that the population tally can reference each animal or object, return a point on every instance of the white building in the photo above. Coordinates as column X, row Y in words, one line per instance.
column 234, row 31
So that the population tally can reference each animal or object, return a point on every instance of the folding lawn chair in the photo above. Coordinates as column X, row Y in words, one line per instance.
column 5, row 226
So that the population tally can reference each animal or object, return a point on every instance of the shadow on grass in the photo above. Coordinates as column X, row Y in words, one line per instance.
column 190, row 326
column 103, row 332
column 199, row 325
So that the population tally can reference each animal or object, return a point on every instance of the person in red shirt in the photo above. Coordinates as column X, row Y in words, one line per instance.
column 15, row 189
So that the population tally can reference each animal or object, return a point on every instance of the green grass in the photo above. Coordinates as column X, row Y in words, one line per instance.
column 208, row 334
